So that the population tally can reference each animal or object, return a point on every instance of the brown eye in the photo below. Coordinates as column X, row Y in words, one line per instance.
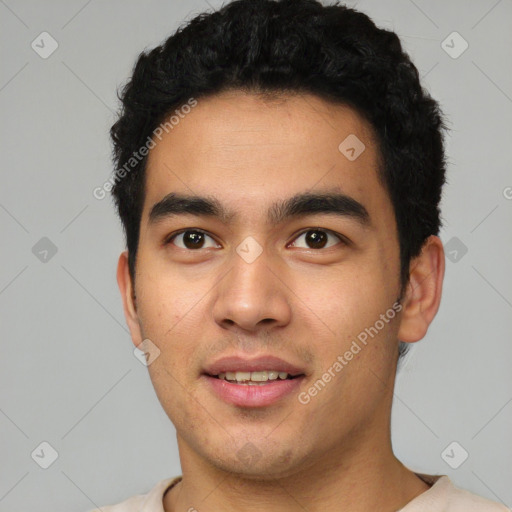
column 317, row 238
column 191, row 239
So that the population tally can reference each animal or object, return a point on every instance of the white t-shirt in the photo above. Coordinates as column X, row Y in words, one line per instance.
column 443, row 496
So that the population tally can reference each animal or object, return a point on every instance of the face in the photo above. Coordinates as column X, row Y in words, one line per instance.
column 259, row 274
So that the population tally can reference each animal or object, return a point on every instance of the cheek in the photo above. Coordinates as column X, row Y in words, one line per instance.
column 348, row 297
column 169, row 319
column 344, row 307
column 166, row 300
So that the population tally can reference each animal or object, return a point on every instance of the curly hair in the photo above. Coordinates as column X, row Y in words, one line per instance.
column 293, row 46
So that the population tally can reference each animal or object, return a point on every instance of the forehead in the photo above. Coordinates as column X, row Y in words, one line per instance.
column 248, row 151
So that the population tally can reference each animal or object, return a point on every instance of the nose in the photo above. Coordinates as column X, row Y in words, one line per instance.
column 252, row 296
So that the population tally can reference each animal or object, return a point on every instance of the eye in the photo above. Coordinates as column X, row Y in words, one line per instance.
column 191, row 239
column 317, row 238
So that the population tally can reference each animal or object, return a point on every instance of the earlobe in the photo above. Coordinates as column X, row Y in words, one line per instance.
column 424, row 289
column 124, row 282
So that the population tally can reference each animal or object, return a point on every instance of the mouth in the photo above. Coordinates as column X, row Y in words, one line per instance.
column 257, row 378
column 253, row 382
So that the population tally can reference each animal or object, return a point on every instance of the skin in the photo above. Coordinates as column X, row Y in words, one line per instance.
column 303, row 304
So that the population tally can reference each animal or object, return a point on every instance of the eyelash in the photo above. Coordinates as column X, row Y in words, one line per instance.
column 341, row 238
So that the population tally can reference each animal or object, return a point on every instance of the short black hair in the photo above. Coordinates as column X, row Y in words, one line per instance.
column 292, row 46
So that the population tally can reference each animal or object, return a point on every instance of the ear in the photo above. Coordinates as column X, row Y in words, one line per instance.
column 128, row 295
column 423, row 292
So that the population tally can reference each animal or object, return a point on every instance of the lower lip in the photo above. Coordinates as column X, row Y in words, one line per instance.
column 245, row 395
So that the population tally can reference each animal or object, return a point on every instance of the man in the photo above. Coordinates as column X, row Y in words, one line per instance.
column 279, row 177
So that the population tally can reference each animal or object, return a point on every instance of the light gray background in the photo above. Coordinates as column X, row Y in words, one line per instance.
column 67, row 369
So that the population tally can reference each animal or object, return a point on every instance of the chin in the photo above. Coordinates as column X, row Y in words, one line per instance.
column 263, row 464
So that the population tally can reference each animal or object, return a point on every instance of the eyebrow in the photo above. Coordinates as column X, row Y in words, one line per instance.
column 300, row 205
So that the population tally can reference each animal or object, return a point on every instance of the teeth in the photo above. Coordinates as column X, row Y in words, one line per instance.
column 259, row 376
column 239, row 376
column 255, row 377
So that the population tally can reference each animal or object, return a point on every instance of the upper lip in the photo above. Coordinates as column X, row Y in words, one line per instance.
column 241, row 364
